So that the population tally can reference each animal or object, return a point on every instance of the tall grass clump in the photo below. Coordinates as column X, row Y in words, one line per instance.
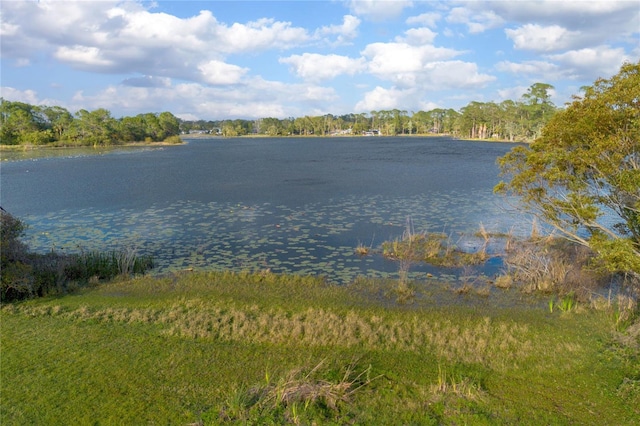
column 433, row 248
column 301, row 396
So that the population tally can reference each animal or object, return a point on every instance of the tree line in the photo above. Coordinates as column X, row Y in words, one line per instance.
column 25, row 124
column 521, row 120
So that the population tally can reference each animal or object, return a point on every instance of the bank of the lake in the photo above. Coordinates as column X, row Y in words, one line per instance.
column 223, row 348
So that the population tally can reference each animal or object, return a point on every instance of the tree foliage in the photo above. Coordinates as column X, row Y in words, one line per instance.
column 582, row 175
column 24, row 124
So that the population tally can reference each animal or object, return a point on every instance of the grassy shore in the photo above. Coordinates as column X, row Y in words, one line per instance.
column 214, row 348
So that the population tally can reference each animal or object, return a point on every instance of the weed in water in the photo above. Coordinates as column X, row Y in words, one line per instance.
column 503, row 282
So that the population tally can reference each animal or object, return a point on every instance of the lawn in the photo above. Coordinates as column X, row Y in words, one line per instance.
column 224, row 348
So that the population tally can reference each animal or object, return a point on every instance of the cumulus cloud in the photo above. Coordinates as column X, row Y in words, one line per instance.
column 583, row 22
column 315, row 67
column 345, row 32
column 109, row 36
column 476, row 21
column 542, row 38
column 190, row 99
column 454, row 75
column 591, row 63
column 539, row 69
column 84, row 57
column 379, row 10
column 428, row 19
column 218, row 72
column 26, row 96
column 417, row 36
column 384, row 99
column 392, row 61
column 425, row 65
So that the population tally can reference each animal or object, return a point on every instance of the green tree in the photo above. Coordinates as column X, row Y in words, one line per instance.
column 169, row 124
column 132, row 129
column 58, row 119
column 94, row 128
column 538, row 108
column 21, row 123
column 582, row 175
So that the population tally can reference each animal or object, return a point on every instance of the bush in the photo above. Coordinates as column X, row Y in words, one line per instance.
column 173, row 140
column 553, row 265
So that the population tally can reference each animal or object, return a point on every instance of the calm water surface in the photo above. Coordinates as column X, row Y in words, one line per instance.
column 291, row 205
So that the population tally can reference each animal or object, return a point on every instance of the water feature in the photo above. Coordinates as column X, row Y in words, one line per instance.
column 291, row 204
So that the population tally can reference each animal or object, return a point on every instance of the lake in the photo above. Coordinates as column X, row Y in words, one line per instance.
column 298, row 205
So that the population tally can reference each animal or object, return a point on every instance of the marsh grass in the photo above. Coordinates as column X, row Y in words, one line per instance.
column 432, row 248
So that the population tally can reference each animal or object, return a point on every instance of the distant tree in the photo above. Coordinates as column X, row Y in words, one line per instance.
column 132, row 129
column 58, row 120
column 538, row 107
column 22, row 123
column 169, row 125
column 94, row 128
column 582, row 175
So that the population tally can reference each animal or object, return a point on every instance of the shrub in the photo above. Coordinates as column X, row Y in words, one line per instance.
column 173, row 140
column 552, row 265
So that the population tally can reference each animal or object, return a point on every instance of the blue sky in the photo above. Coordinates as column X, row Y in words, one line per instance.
column 250, row 59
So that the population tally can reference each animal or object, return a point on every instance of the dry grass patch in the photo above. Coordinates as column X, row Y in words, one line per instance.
column 480, row 340
column 297, row 397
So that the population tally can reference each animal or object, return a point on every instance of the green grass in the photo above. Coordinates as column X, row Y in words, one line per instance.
column 213, row 348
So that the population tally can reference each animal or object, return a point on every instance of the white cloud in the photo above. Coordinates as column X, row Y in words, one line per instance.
column 218, row 72
column 418, row 36
column 429, row 19
column 379, row 10
column 258, row 35
column 591, row 63
column 475, row 21
column 83, row 57
column 207, row 101
column 454, row 75
column 392, row 61
column 113, row 36
column 383, row 99
column 539, row 69
column 345, row 32
column 542, row 39
column 315, row 67
column 585, row 22
column 422, row 66
column 26, row 96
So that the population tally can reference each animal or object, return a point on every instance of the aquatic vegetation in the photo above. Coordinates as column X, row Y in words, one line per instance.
column 26, row 274
column 433, row 248
column 317, row 239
